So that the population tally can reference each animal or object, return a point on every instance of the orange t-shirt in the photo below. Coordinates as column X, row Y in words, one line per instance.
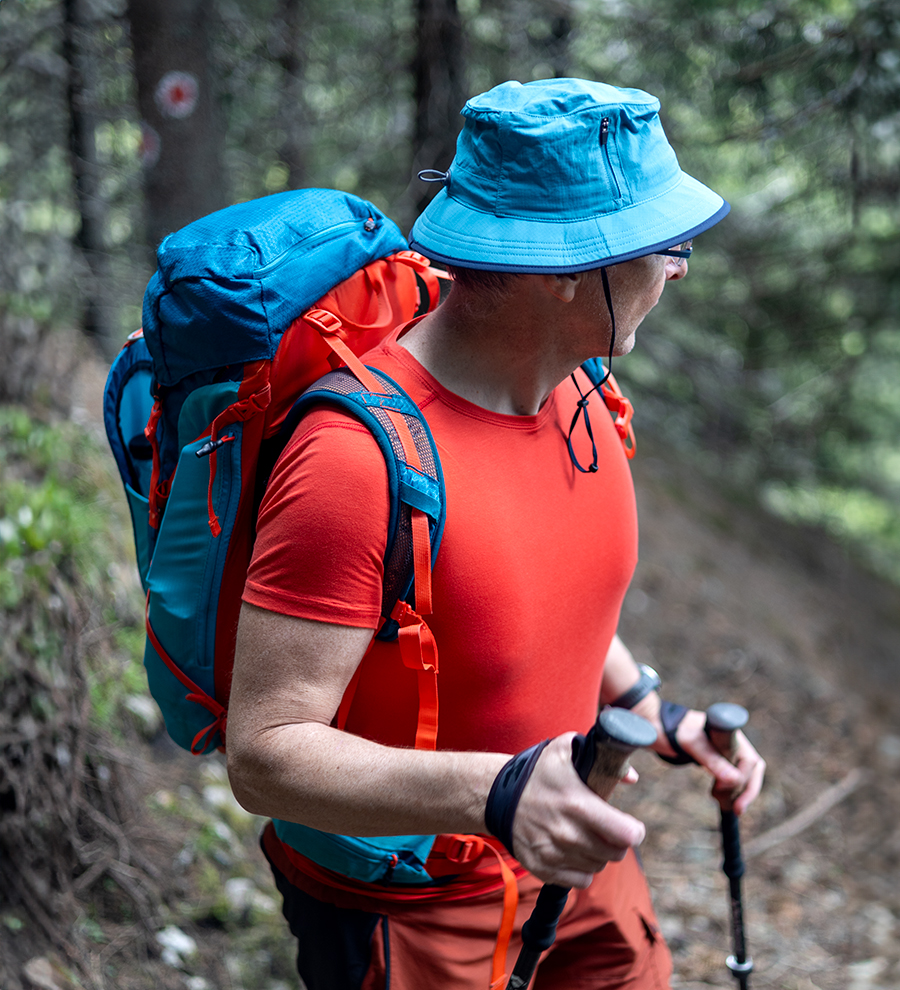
column 534, row 563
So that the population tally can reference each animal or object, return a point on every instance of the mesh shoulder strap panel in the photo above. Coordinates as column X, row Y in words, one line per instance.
column 411, row 487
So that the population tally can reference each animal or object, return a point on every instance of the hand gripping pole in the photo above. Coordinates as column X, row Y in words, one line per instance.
column 601, row 759
column 723, row 720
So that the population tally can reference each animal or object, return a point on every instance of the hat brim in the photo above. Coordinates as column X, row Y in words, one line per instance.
column 452, row 233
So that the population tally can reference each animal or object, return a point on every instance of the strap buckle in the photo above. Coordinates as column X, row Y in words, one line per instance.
column 326, row 323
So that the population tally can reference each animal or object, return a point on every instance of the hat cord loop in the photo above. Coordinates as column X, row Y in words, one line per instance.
column 434, row 175
column 583, row 401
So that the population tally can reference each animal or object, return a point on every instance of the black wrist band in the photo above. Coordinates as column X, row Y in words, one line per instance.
column 671, row 715
column 647, row 682
column 506, row 790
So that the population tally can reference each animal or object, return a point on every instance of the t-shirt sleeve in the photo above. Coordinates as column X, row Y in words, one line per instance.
column 322, row 526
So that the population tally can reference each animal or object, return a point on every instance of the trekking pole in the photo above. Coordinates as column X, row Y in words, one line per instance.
column 722, row 723
column 601, row 761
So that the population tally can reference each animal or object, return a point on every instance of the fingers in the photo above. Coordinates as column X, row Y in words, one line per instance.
column 563, row 833
column 753, row 768
column 736, row 785
column 750, row 768
column 631, row 776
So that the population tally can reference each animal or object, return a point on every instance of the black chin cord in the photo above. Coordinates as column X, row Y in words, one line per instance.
column 582, row 408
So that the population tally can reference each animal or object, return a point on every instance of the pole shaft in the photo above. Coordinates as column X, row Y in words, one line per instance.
column 722, row 724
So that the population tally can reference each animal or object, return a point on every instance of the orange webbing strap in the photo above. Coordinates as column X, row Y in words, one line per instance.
column 499, row 975
column 332, row 332
column 418, row 649
column 466, row 850
column 421, row 561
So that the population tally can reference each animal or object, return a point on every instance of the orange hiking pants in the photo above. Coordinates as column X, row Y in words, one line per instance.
column 608, row 937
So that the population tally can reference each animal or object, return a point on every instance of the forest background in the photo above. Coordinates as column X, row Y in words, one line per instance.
column 778, row 367
column 775, row 370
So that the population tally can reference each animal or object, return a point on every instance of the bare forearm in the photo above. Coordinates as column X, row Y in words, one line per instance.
column 334, row 781
column 620, row 671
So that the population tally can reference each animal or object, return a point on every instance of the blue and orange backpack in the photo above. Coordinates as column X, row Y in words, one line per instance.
column 248, row 308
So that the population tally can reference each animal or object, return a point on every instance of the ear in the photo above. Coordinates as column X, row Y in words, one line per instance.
column 562, row 285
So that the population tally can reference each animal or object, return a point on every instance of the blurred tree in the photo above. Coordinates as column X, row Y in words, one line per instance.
column 561, row 21
column 183, row 130
column 287, row 43
column 439, row 72
column 79, row 52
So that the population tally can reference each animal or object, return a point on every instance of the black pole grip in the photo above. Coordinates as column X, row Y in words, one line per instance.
column 723, row 720
column 538, row 933
column 540, row 929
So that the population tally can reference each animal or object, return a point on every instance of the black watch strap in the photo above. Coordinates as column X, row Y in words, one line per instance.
column 648, row 681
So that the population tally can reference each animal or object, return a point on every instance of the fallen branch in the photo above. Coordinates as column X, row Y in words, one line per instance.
column 807, row 816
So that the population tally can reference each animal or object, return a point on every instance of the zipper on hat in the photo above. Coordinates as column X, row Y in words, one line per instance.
column 604, row 131
column 604, row 135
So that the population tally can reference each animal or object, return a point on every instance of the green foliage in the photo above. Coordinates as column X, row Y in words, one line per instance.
column 58, row 551
column 118, row 678
column 50, row 523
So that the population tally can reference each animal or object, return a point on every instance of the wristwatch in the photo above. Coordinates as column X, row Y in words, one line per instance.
column 647, row 682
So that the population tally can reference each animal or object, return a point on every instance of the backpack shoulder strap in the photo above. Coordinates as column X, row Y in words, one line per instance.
column 416, row 516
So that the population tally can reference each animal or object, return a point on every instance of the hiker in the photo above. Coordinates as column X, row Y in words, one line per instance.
column 561, row 218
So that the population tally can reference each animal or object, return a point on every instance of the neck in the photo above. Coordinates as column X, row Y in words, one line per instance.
column 506, row 357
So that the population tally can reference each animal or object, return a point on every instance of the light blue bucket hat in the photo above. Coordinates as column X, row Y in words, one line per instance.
column 561, row 175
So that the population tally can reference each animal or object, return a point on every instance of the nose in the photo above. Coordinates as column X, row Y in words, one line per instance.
column 676, row 268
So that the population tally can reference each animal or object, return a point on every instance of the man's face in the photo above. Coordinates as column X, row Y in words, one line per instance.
column 635, row 287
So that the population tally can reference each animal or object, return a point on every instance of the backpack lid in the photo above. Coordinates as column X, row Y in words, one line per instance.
column 229, row 284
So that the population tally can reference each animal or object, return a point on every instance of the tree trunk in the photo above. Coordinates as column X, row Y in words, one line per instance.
column 97, row 316
column 439, row 74
column 287, row 44
column 558, row 51
column 184, row 176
